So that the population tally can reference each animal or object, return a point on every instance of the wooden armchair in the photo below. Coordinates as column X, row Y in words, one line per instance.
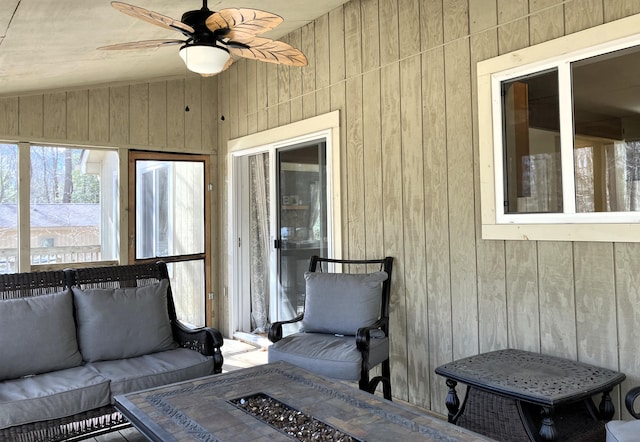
column 623, row 431
column 345, row 324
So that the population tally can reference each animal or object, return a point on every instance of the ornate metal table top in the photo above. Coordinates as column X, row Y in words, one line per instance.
column 531, row 377
column 203, row 409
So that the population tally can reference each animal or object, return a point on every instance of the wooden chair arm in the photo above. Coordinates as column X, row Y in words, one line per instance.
column 275, row 331
column 363, row 335
column 205, row 340
column 630, row 398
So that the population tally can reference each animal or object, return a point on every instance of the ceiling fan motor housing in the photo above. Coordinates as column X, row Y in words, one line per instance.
column 197, row 20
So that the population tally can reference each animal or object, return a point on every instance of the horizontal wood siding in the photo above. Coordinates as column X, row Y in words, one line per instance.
column 402, row 75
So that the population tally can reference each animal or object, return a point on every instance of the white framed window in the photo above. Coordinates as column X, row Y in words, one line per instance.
column 56, row 207
column 559, row 138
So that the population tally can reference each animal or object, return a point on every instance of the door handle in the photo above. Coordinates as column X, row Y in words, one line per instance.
column 277, row 244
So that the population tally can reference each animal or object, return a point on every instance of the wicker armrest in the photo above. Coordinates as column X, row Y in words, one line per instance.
column 204, row 340
column 630, row 398
column 363, row 335
column 275, row 331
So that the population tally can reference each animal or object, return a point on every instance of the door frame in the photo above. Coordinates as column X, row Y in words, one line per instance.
column 325, row 127
column 135, row 155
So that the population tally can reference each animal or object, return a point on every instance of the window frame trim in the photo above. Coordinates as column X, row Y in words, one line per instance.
column 490, row 73
column 23, row 246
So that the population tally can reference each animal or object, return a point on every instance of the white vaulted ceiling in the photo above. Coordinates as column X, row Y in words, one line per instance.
column 51, row 44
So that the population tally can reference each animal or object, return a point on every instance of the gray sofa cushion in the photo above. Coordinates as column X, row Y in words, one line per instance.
column 124, row 322
column 38, row 334
column 328, row 355
column 342, row 302
column 621, row 431
column 51, row 395
column 153, row 370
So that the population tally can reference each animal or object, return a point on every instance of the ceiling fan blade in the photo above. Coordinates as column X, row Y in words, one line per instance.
column 141, row 44
column 250, row 21
column 153, row 17
column 265, row 49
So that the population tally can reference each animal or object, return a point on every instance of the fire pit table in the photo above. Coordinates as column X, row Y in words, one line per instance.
column 232, row 407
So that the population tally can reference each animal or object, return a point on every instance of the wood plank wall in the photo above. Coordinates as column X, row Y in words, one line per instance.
column 149, row 116
column 146, row 116
column 402, row 75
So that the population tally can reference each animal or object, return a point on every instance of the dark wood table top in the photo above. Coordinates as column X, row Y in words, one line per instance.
column 201, row 409
column 532, row 377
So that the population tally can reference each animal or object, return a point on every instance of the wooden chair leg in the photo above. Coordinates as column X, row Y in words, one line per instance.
column 371, row 385
column 365, row 384
column 386, row 383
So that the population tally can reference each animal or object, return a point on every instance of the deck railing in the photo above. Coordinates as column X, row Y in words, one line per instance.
column 50, row 255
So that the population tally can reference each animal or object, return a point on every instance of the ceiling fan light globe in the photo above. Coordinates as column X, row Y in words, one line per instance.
column 204, row 59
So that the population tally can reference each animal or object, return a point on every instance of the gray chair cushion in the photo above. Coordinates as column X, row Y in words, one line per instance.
column 153, row 370
column 51, row 396
column 621, row 431
column 328, row 355
column 38, row 334
column 341, row 302
column 124, row 322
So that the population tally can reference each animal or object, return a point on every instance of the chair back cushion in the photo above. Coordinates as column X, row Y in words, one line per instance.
column 38, row 334
column 341, row 303
column 123, row 322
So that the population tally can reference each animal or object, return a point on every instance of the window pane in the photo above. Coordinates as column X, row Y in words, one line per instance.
column 169, row 208
column 531, row 139
column 188, row 288
column 606, row 108
column 8, row 207
column 302, row 175
column 74, row 210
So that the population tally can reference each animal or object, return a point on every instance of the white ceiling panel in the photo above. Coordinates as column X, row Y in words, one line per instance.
column 50, row 44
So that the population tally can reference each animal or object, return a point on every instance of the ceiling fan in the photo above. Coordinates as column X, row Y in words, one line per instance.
column 213, row 39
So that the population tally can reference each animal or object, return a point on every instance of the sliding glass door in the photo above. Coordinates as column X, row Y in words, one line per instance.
column 281, row 209
column 302, row 221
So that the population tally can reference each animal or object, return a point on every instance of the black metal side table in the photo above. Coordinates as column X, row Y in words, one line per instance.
column 515, row 395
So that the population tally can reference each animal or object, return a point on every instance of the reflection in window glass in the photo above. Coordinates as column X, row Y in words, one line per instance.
column 531, row 138
column 302, row 216
column 73, row 207
column 8, row 207
column 606, row 110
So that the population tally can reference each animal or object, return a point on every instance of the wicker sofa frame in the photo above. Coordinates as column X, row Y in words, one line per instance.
column 105, row 419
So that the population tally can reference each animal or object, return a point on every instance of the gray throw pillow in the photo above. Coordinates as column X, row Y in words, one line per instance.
column 37, row 335
column 124, row 322
column 341, row 303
